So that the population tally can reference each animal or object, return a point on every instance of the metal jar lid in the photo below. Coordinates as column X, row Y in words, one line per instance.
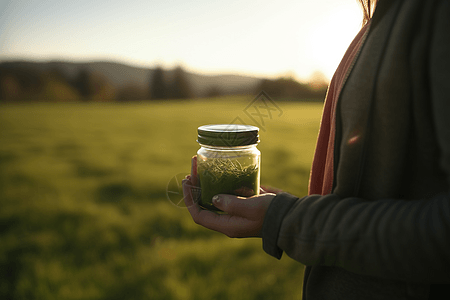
column 228, row 135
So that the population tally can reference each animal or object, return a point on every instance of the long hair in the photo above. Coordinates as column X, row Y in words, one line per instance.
column 368, row 7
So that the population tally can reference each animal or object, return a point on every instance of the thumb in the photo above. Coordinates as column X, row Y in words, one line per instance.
column 252, row 208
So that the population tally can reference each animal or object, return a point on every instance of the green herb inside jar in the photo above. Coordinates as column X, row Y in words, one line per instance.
column 226, row 176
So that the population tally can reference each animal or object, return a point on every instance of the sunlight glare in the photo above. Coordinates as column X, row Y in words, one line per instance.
column 331, row 36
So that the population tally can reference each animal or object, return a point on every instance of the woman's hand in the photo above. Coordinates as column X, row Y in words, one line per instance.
column 244, row 218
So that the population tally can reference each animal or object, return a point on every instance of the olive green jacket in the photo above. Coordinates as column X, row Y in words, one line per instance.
column 384, row 231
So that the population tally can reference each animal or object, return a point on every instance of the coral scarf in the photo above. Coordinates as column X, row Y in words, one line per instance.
column 322, row 170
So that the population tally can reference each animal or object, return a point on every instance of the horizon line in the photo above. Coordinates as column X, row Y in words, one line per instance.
column 286, row 74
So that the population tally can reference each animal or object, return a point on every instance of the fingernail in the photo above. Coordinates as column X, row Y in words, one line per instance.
column 216, row 199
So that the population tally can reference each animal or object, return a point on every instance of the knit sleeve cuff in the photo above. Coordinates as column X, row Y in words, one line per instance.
column 275, row 214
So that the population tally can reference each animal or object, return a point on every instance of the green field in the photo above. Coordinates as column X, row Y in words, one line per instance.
column 85, row 213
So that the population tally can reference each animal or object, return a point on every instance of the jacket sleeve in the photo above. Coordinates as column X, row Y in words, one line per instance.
column 390, row 238
column 404, row 240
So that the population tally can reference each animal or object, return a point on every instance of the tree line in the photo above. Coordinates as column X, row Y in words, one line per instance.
column 20, row 84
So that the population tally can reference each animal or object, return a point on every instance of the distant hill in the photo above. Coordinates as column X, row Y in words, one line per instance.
column 121, row 75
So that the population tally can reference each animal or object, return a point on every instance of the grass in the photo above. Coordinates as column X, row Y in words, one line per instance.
column 85, row 214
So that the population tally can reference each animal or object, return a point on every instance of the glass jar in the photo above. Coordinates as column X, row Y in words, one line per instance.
column 228, row 162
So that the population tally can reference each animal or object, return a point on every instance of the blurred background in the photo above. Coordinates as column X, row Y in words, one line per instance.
column 99, row 106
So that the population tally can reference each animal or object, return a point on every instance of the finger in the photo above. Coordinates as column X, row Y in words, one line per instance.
column 187, row 192
column 190, row 193
column 200, row 216
column 270, row 189
column 194, row 179
column 252, row 208
column 244, row 191
column 232, row 226
column 191, row 202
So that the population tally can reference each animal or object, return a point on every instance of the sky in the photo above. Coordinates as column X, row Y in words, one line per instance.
column 248, row 37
